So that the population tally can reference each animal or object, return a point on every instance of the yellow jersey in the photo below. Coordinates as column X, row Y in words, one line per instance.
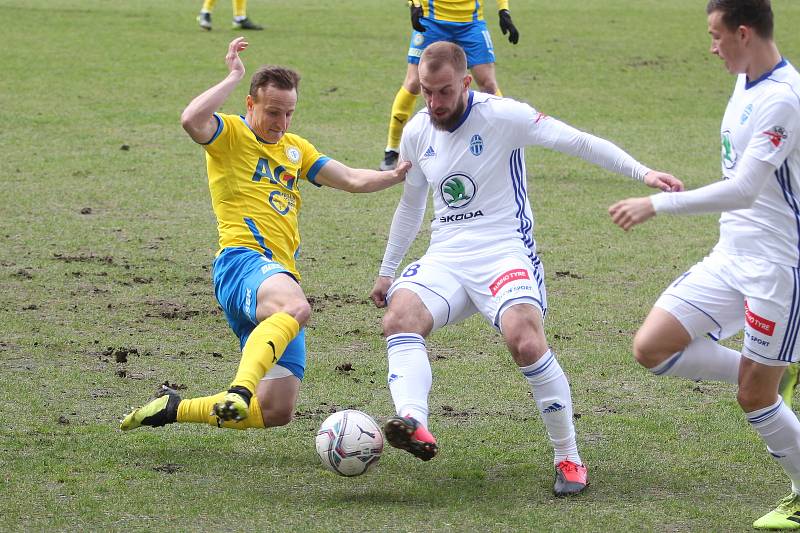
column 255, row 188
column 457, row 10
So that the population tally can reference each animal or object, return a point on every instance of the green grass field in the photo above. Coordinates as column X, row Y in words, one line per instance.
column 107, row 235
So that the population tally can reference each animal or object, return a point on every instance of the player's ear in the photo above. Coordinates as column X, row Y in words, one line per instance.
column 467, row 81
column 249, row 101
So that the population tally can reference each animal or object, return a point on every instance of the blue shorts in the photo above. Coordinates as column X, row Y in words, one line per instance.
column 473, row 37
column 237, row 274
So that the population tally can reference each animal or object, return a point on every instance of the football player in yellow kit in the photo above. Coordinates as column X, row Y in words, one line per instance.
column 255, row 169
column 457, row 21
column 240, row 20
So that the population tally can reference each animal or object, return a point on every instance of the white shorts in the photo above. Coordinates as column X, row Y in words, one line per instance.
column 454, row 286
column 723, row 294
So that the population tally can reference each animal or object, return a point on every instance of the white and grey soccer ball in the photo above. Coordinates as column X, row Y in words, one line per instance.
column 349, row 443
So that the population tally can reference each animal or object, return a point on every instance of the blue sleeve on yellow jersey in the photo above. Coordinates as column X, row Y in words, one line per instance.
column 219, row 129
column 312, row 172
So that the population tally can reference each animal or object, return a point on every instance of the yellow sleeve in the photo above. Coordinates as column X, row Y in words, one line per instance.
column 313, row 160
column 222, row 140
column 502, row 4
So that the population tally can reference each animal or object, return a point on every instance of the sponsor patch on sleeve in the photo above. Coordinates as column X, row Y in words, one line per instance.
column 777, row 136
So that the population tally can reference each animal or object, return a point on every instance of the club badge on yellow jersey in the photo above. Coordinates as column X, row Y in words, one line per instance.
column 255, row 188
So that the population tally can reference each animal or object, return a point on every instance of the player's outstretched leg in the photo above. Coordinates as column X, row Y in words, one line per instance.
column 264, row 347
column 405, row 433
column 789, row 383
column 785, row 516
column 159, row 412
column 571, row 478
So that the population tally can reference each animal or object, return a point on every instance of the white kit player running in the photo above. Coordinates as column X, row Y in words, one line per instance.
column 467, row 148
column 751, row 279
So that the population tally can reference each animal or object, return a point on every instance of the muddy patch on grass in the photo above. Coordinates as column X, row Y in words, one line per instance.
column 91, row 257
column 320, row 303
column 169, row 468
column 170, row 310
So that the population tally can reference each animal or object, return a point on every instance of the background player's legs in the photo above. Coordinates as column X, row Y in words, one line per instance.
column 402, row 107
column 485, row 78
column 663, row 346
column 240, row 20
column 204, row 18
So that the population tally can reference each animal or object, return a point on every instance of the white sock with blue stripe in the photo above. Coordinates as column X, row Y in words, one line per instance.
column 409, row 375
column 702, row 359
column 553, row 398
column 780, row 429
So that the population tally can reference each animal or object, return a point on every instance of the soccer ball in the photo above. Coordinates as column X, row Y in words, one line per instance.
column 349, row 443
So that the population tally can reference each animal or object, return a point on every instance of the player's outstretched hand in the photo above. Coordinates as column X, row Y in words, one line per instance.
column 379, row 290
column 401, row 170
column 631, row 211
column 507, row 26
column 416, row 14
column 662, row 180
column 232, row 59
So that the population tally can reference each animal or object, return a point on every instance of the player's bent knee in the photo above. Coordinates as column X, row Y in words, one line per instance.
column 394, row 322
column 646, row 353
column 300, row 310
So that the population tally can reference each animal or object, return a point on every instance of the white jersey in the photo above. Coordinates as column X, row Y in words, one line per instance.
column 762, row 120
column 476, row 173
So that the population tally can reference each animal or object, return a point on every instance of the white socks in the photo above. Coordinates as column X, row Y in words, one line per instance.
column 702, row 359
column 780, row 430
column 553, row 398
column 409, row 375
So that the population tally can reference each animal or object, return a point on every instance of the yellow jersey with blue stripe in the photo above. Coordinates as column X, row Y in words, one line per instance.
column 255, row 188
column 457, row 10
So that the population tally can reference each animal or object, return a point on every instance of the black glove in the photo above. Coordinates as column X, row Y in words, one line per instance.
column 416, row 14
column 507, row 26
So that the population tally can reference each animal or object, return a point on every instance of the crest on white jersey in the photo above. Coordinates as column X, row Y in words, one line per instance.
column 457, row 190
column 476, row 145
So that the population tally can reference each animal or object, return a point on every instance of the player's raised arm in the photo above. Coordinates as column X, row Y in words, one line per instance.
column 198, row 117
column 339, row 176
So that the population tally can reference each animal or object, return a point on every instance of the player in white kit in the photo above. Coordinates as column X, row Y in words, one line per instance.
column 468, row 149
column 751, row 279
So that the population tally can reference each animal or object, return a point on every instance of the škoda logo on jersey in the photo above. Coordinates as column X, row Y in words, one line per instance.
column 728, row 151
column 457, row 190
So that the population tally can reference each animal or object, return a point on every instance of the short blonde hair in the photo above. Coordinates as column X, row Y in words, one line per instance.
column 444, row 53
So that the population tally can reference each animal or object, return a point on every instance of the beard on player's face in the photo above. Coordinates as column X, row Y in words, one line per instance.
column 447, row 121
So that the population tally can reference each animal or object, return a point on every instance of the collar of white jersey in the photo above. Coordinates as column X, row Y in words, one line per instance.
column 466, row 113
column 750, row 84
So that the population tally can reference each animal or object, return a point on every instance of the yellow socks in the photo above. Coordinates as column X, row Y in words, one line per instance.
column 198, row 410
column 208, row 6
column 263, row 349
column 402, row 107
column 239, row 9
